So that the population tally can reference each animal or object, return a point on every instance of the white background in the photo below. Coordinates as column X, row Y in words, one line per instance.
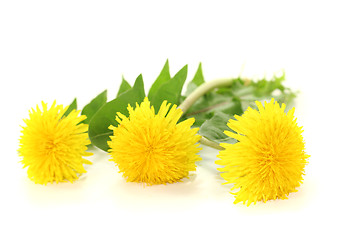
column 64, row 49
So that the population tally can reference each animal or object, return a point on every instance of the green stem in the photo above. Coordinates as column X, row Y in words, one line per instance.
column 199, row 92
column 207, row 109
column 209, row 143
column 202, row 90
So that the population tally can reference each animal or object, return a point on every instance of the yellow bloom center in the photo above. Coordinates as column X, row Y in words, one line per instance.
column 269, row 158
column 154, row 148
column 53, row 146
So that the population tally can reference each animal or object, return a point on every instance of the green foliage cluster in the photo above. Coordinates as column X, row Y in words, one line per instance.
column 211, row 112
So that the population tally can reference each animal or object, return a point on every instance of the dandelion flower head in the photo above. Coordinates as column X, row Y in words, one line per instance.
column 269, row 158
column 52, row 145
column 154, row 148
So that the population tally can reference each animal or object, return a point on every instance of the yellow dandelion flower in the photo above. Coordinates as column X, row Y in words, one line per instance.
column 52, row 146
column 269, row 158
column 154, row 148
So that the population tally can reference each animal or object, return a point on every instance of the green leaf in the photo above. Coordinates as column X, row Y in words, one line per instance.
column 123, row 87
column 213, row 110
column 233, row 107
column 170, row 90
column 163, row 77
column 72, row 106
column 245, row 94
column 265, row 88
column 90, row 109
column 196, row 82
column 222, row 100
column 201, row 118
column 213, row 129
column 99, row 131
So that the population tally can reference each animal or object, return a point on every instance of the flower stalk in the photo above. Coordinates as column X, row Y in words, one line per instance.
column 202, row 90
column 198, row 93
column 209, row 143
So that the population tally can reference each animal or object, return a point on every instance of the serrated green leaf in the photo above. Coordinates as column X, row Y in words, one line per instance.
column 201, row 118
column 213, row 110
column 203, row 104
column 264, row 87
column 91, row 108
column 170, row 90
column 199, row 77
column 196, row 82
column 213, row 128
column 163, row 77
column 72, row 106
column 222, row 100
column 233, row 107
column 123, row 87
column 99, row 131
